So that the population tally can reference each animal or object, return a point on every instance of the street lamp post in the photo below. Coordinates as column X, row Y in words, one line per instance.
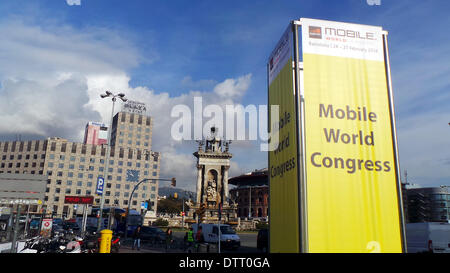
column 108, row 147
column 131, row 196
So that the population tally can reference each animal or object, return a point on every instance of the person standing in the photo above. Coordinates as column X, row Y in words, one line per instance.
column 137, row 238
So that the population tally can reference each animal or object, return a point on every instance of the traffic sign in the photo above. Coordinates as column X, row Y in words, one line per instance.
column 100, row 184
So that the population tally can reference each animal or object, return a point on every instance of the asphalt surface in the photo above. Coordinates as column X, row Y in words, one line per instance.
column 248, row 245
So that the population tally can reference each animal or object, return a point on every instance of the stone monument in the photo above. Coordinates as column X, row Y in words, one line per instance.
column 213, row 163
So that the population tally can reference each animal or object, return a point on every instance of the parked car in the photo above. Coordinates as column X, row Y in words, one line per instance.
column 57, row 221
column 71, row 225
column 262, row 240
column 152, row 234
column 22, row 219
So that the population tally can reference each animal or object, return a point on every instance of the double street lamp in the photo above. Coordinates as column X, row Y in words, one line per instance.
column 121, row 96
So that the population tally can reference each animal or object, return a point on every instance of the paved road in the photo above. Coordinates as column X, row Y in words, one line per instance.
column 248, row 245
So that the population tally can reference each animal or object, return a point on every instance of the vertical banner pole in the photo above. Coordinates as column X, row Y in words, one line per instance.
column 301, row 170
column 269, row 130
column 395, row 143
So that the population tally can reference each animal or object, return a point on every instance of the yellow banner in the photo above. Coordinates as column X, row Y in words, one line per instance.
column 352, row 198
column 284, row 214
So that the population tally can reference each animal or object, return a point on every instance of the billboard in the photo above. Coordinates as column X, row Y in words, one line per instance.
column 352, row 191
column 69, row 199
column 283, row 212
column 134, row 107
column 46, row 227
column 334, row 179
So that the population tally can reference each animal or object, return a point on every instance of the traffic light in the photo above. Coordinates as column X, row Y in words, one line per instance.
column 174, row 182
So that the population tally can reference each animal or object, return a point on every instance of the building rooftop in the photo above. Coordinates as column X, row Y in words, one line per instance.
column 255, row 178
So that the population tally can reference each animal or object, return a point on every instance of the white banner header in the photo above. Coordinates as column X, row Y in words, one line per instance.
column 342, row 39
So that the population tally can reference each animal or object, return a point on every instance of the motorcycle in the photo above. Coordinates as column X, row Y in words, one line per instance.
column 115, row 244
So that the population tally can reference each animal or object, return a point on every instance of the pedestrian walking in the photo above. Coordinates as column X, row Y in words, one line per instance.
column 199, row 238
column 169, row 238
column 137, row 238
column 189, row 238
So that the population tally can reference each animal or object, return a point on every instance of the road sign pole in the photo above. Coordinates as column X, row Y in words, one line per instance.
column 84, row 219
column 16, row 228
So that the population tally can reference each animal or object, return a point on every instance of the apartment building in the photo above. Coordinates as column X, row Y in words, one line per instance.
column 73, row 168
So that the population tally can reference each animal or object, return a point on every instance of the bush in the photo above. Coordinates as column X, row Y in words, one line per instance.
column 161, row 222
column 262, row 225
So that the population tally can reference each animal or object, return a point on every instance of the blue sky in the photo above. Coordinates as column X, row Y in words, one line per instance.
column 167, row 51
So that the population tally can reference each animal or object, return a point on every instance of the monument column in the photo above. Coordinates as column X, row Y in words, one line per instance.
column 225, row 183
column 199, row 184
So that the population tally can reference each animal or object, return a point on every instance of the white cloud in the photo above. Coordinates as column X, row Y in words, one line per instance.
column 52, row 76
column 73, row 2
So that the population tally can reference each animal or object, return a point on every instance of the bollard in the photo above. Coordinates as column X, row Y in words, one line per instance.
column 105, row 242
